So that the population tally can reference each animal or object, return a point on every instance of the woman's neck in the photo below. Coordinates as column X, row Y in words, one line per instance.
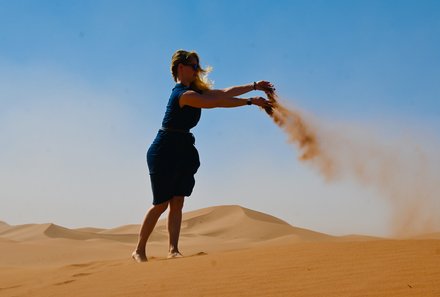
column 185, row 83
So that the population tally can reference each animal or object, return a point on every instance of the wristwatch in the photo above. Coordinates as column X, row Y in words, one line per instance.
column 249, row 101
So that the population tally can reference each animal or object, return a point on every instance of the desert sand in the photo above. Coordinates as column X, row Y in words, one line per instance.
column 229, row 251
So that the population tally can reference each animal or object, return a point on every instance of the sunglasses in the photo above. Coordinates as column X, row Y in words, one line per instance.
column 195, row 67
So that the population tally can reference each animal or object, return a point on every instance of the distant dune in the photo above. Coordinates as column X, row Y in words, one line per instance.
column 435, row 235
column 220, row 222
column 229, row 251
column 225, row 223
column 3, row 226
column 89, row 229
column 32, row 232
column 126, row 229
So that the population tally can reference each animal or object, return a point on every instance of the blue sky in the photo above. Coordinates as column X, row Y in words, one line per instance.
column 84, row 84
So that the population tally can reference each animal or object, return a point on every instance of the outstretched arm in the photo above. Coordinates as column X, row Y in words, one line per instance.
column 240, row 90
column 195, row 99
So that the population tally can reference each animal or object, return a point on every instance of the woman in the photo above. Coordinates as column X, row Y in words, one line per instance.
column 172, row 158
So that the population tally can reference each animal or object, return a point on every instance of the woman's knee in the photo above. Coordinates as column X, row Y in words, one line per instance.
column 176, row 203
column 160, row 208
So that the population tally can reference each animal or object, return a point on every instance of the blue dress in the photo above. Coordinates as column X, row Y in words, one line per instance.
column 172, row 157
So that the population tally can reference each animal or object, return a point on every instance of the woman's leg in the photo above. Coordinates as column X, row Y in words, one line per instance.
column 174, row 223
column 148, row 225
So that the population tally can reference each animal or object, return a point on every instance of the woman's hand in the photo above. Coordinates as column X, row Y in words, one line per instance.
column 264, row 86
column 262, row 102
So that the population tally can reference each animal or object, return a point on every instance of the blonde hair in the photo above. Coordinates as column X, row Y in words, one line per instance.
column 201, row 83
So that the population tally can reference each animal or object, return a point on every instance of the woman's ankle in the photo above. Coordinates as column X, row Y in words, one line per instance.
column 173, row 250
column 140, row 251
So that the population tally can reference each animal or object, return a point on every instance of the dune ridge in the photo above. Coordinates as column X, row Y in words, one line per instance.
column 4, row 226
column 224, row 223
column 230, row 222
column 236, row 222
column 30, row 232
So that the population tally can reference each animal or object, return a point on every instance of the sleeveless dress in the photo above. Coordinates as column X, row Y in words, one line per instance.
column 172, row 158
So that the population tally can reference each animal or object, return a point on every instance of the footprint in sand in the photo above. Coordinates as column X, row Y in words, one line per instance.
column 80, row 265
column 64, row 282
column 11, row 287
column 81, row 274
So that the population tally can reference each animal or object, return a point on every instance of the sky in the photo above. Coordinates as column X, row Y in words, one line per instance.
column 84, row 85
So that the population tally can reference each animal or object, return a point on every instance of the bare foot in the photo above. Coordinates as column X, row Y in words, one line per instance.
column 139, row 257
column 173, row 255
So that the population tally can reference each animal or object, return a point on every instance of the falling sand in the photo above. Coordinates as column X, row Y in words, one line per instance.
column 404, row 174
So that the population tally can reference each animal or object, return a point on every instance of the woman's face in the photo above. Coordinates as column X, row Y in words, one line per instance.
column 190, row 69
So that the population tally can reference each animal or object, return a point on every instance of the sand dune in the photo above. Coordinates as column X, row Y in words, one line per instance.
column 214, row 229
column 26, row 232
column 89, row 229
column 353, row 237
column 4, row 226
column 222, row 222
column 126, row 229
column 435, row 235
column 239, row 223
column 229, row 251
column 32, row 232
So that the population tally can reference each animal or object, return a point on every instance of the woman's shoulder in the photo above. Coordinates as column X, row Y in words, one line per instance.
column 176, row 93
column 180, row 87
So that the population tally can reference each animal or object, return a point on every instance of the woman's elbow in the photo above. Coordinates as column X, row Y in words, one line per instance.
column 214, row 103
